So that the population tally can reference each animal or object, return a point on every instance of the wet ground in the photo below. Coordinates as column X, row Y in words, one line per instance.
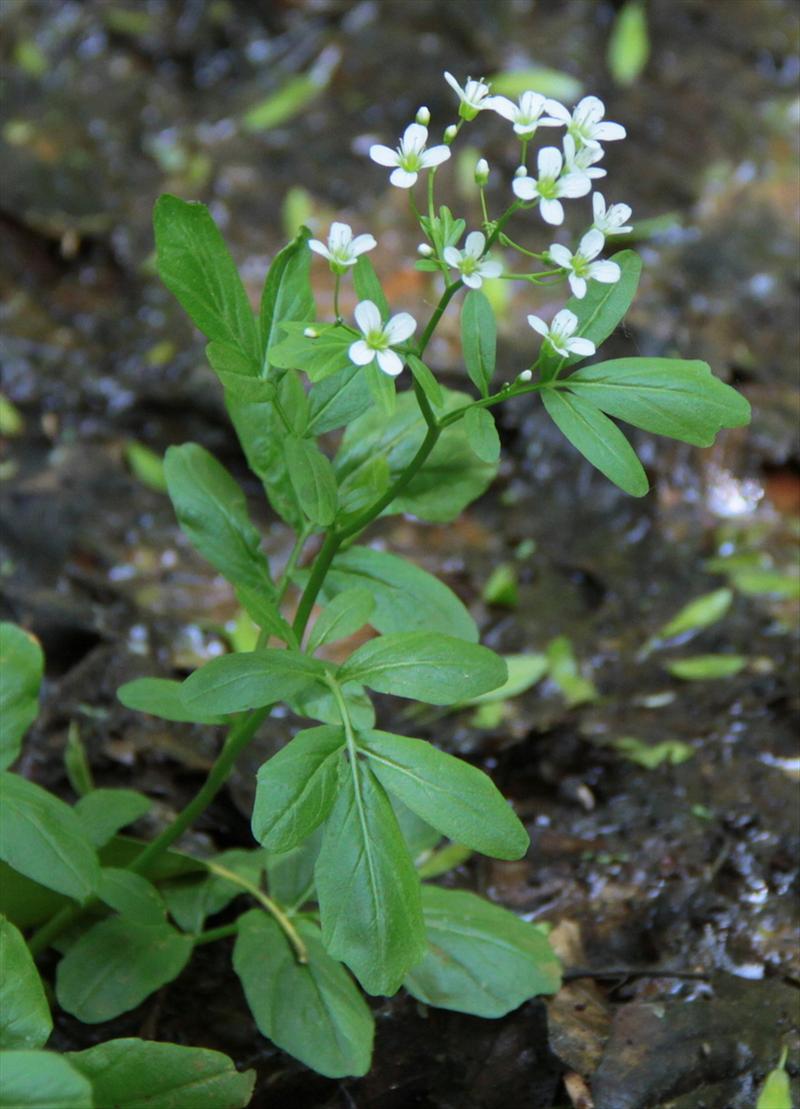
column 672, row 890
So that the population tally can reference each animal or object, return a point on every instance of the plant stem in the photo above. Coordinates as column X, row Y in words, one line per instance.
column 272, row 907
column 214, row 934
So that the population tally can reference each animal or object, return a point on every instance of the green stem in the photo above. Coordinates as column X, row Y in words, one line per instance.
column 272, row 907
column 214, row 934
column 336, row 283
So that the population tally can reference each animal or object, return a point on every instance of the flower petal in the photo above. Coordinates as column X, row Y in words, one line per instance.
column 525, row 128
column 384, row 155
column 591, row 244
column 550, row 161
column 360, row 353
column 531, row 104
column 452, row 256
column 564, row 322
column 454, row 85
column 598, row 205
column 557, row 110
column 552, row 211
column 606, row 272
column 578, row 286
column 361, row 244
column 538, row 324
column 472, row 280
column 574, row 184
column 402, row 178
column 339, row 236
column 414, row 137
column 584, row 347
column 524, row 188
column 560, row 255
column 474, row 246
column 491, row 268
column 400, row 327
column 503, row 106
column 608, row 132
column 320, row 248
column 435, row 156
column 390, row 362
column 368, row 317
column 589, row 110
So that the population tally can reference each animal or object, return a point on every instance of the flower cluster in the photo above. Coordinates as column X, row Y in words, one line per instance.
column 561, row 173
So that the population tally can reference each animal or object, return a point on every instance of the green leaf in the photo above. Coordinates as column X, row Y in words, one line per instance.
column 776, row 1093
column 22, row 664
column 440, row 862
column 212, row 511
column 25, row 1019
column 234, row 683
column 420, row 837
column 651, row 756
column 382, row 389
column 42, row 1080
column 629, row 45
column 479, row 339
column 263, row 611
column 146, row 465
column 297, row 788
column 368, row 287
column 407, row 598
column 287, row 295
column 668, row 396
column 449, row 480
column 702, row 612
column 426, row 381
column 426, row 666
column 103, row 812
column 706, row 667
column 238, row 374
column 524, row 671
column 599, row 312
column 163, row 698
column 459, row 800
column 288, row 100
column 139, row 1074
column 294, row 401
column 195, row 265
column 312, row 477
column 76, row 762
column 598, row 439
column 502, row 588
column 564, row 671
column 193, row 897
column 115, row 965
column 481, row 958
column 290, row 875
column 368, row 890
column 363, row 486
column 318, row 703
column 756, row 583
column 547, row 82
column 319, row 355
column 261, row 433
column 337, row 401
column 346, row 614
column 483, row 438
column 41, row 837
column 313, row 1011
column 131, row 895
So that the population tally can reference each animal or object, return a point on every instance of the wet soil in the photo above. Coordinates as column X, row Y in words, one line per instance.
column 672, row 891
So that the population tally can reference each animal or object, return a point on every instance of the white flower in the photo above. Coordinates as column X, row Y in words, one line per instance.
column 342, row 249
column 472, row 98
column 410, row 156
column 526, row 115
column 379, row 337
column 609, row 221
column 481, row 172
column 586, row 124
column 469, row 263
column 580, row 266
column 560, row 334
column 550, row 185
column 581, row 159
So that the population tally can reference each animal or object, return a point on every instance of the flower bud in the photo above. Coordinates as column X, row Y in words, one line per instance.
column 521, row 171
column 450, row 133
column 525, row 376
column 311, row 333
column 423, row 116
column 425, row 249
column 481, row 172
